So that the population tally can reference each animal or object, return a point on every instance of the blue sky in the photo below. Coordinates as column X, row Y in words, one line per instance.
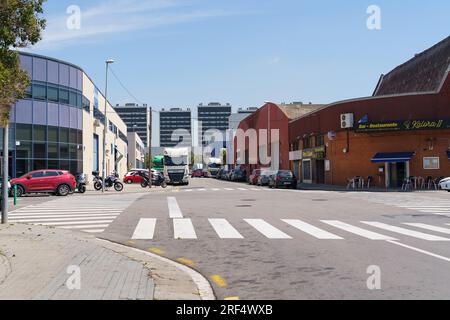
column 178, row 53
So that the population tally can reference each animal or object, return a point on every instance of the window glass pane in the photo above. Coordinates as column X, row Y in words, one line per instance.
column 23, row 132
column 73, row 151
column 64, row 96
column 53, row 164
column 40, row 151
column 73, row 136
column 64, row 151
column 39, row 165
column 73, row 167
column 53, row 134
column 28, row 92
column 40, row 133
column 64, row 165
column 52, row 94
column 72, row 98
column 24, row 150
column 39, row 92
column 80, row 137
column 51, row 174
column 39, row 174
column 79, row 100
column 23, row 166
column 64, row 135
column 53, row 149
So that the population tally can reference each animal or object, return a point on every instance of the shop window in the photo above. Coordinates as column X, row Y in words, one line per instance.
column 40, row 151
column 52, row 94
column 64, row 165
column 80, row 137
column 73, row 136
column 39, row 165
column 431, row 163
column 53, row 134
column 40, row 133
column 23, row 166
column 53, row 164
column 73, row 167
column 39, row 92
column 63, row 96
column 73, row 151
column 23, row 132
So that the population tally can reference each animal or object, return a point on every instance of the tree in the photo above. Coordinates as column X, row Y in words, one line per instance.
column 21, row 25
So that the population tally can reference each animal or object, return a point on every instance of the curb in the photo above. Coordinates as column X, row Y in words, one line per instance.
column 204, row 288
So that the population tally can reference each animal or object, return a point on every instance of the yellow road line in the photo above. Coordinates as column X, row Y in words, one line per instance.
column 156, row 251
column 186, row 261
column 219, row 281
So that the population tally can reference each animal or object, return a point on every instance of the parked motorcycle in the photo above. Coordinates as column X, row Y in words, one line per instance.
column 110, row 181
column 81, row 182
column 158, row 180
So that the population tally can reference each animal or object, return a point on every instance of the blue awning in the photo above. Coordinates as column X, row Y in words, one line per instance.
column 392, row 157
column 448, row 154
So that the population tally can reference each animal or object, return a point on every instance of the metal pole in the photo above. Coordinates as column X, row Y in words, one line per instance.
column 5, row 176
column 150, row 147
column 105, row 128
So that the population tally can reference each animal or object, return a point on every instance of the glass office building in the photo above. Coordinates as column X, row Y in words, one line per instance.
column 46, row 127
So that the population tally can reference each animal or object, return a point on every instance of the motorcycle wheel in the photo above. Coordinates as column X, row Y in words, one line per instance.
column 82, row 189
column 98, row 186
column 164, row 185
column 144, row 184
column 118, row 186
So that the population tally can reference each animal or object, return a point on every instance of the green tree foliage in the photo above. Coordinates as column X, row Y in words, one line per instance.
column 21, row 25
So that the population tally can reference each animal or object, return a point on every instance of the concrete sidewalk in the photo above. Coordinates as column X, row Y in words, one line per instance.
column 44, row 263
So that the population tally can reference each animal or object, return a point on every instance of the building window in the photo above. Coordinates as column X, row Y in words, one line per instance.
column 64, row 96
column 431, row 163
column 307, row 143
column 320, row 141
column 39, row 92
column 23, row 132
column 52, row 94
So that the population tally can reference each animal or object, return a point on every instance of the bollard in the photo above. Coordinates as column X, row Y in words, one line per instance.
column 15, row 195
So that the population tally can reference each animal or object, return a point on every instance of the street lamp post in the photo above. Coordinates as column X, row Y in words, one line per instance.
column 105, row 127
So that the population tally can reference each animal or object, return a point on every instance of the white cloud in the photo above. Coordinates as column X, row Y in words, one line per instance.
column 275, row 60
column 117, row 16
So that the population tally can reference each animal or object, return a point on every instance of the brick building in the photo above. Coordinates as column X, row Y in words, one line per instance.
column 403, row 130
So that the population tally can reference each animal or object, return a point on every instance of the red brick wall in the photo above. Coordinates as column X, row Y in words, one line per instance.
column 364, row 146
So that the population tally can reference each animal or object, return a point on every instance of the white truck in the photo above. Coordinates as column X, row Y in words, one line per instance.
column 176, row 165
column 214, row 166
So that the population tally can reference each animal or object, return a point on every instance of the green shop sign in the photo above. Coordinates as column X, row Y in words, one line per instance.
column 408, row 125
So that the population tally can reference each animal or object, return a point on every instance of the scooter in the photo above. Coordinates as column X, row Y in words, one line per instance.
column 158, row 180
column 81, row 182
column 110, row 181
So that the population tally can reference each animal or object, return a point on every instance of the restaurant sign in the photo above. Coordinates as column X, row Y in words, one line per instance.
column 408, row 125
column 315, row 153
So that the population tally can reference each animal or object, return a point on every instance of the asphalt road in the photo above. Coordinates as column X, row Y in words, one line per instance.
column 321, row 259
column 257, row 243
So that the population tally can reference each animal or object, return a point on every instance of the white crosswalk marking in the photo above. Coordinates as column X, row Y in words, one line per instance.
column 224, row 229
column 242, row 189
column 356, row 230
column 145, row 229
column 312, row 230
column 267, row 229
column 229, row 189
column 429, row 227
column 406, row 232
column 184, row 229
column 174, row 209
column 87, row 214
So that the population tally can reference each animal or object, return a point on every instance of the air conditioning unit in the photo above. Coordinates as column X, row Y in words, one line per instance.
column 347, row 120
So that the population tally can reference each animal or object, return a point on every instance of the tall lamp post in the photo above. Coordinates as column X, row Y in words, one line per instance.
column 105, row 127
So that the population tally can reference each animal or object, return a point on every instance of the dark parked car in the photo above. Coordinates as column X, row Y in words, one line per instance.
column 59, row 182
column 283, row 179
column 253, row 179
column 239, row 175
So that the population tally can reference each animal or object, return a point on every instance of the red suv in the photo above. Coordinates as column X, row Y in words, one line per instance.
column 59, row 182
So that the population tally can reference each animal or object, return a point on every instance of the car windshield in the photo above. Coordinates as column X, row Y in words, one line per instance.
column 175, row 161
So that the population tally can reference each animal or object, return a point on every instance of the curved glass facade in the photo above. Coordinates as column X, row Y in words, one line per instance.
column 46, row 126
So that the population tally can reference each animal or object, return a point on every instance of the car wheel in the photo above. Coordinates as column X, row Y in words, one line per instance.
column 63, row 190
column 20, row 191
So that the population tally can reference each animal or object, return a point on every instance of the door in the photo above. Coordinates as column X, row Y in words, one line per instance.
column 397, row 174
column 50, row 180
column 307, row 171
column 320, row 171
column 37, row 182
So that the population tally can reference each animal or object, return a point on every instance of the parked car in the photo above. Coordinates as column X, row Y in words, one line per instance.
column 224, row 174
column 132, row 177
column 283, row 179
column 444, row 184
column 198, row 173
column 239, row 175
column 263, row 179
column 253, row 179
column 59, row 182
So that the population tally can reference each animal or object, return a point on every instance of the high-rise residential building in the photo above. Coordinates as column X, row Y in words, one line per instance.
column 213, row 116
column 175, row 127
column 137, row 118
